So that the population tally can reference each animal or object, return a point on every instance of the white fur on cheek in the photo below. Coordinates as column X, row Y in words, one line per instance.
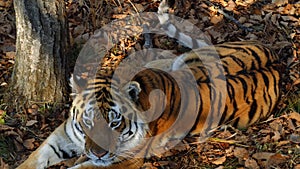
column 88, row 115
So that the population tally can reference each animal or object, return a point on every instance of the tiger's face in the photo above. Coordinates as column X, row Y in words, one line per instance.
column 112, row 124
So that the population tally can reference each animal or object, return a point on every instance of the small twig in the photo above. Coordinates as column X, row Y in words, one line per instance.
column 234, row 142
column 136, row 10
column 235, row 21
column 120, row 5
column 115, row 2
column 147, row 36
column 218, row 140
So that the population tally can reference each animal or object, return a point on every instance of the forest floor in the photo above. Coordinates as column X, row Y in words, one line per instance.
column 273, row 143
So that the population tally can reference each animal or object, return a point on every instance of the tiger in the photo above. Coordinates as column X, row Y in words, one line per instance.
column 114, row 112
column 252, row 93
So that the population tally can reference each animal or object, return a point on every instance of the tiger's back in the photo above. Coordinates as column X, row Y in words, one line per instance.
column 248, row 71
column 252, row 79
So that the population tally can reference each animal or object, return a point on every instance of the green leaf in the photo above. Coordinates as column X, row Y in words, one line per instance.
column 2, row 121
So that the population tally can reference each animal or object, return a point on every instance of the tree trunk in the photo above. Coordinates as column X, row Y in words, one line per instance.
column 40, row 70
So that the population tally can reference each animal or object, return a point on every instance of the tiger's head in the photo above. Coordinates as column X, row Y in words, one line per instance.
column 111, row 120
column 121, row 117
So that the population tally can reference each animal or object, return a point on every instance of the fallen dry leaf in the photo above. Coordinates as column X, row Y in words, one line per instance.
column 297, row 166
column 3, row 84
column 276, row 136
column 216, row 19
column 281, row 143
column 162, row 163
column 32, row 111
column 280, row 2
column 30, row 123
column 262, row 158
column 296, row 82
column 276, row 125
column 242, row 20
column 251, row 164
column 220, row 160
column 276, row 159
column 231, row 6
column 3, row 165
column 262, row 155
column 241, row 153
column 29, row 143
column 266, row 139
column 256, row 17
column 295, row 138
column 290, row 18
column 295, row 116
column 5, row 4
column 2, row 112
column 11, row 55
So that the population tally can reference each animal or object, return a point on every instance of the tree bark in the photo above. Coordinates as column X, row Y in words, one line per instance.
column 40, row 70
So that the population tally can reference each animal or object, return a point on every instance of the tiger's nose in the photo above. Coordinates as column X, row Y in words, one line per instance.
column 99, row 152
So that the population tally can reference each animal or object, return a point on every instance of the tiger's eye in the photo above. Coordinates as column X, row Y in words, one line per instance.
column 114, row 124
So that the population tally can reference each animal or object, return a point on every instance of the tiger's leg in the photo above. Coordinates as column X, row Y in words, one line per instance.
column 65, row 142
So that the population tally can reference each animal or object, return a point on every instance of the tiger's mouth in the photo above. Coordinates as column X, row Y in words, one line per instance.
column 101, row 158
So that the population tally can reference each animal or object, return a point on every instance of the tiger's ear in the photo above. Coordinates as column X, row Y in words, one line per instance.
column 132, row 90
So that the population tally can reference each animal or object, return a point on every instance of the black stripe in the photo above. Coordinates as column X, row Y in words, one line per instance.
column 253, row 109
column 257, row 58
column 74, row 114
column 266, row 93
column 220, row 67
column 230, row 89
column 54, row 150
column 202, row 79
column 173, row 107
column 276, row 83
column 65, row 130
column 245, row 86
column 254, row 80
column 129, row 130
column 201, row 104
column 212, row 109
column 232, row 115
column 238, row 61
column 225, row 66
column 236, row 122
column 235, row 109
column 77, row 128
column 266, row 79
column 162, row 80
column 220, row 103
column 175, row 100
column 192, row 60
column 224, row 114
